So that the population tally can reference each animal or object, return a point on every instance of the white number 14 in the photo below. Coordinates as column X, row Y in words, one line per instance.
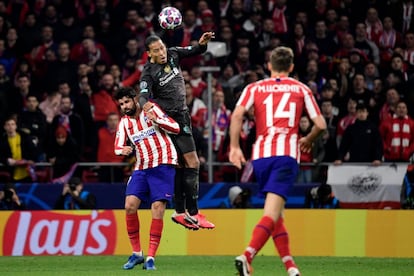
column 281, row 110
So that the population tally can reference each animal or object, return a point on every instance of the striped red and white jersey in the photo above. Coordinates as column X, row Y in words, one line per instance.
column 278, row 105
column 153, row 145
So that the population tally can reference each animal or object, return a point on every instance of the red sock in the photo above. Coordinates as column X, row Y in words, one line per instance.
column 132, row 222
column 261, row 234
column 281, row 240
column 155, row 236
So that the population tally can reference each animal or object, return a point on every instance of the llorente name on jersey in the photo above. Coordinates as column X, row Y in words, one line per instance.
column 278, row 88
column 165, row 79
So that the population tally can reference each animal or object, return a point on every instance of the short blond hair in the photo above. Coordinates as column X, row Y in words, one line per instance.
column 281, row 59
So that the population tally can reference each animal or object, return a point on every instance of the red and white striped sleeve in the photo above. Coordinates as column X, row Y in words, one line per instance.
column 165, row 122
column 120, row 137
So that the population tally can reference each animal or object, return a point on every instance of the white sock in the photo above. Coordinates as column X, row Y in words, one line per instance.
column 140, row 253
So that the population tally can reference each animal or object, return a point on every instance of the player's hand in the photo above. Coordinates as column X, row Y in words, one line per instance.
column 151, row 115
column 206, row 37
column 127, row 150
column 147, row 106
column 236, row 157
column 305, row 145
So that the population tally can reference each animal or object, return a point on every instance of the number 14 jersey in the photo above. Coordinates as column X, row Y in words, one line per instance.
column 278, row 105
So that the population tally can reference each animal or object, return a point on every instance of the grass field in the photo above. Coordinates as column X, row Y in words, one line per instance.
column 201, row 266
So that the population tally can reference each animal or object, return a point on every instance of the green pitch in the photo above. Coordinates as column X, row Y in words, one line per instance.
column 201, row 265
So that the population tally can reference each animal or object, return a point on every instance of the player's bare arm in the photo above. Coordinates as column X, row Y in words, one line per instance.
column 206, row 37
column 236, row 155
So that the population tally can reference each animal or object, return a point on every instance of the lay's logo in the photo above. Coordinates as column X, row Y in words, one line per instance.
column 59, row 233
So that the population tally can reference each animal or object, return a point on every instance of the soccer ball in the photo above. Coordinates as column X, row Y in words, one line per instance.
column 170, row 18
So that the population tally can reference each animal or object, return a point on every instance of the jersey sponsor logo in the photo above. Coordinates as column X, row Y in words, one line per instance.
column 59, row 233
column 167, row 78
column 141, row 135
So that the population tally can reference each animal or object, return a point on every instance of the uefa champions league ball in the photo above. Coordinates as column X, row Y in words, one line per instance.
column 170, row 18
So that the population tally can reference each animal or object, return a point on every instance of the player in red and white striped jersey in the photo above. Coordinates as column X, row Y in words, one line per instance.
column 153, row 145
column 153, row 178
column 279, row 102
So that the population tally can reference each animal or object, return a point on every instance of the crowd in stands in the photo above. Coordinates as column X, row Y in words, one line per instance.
column 62, row 61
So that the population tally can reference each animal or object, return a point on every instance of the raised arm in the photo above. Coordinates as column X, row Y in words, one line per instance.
column 158, row 116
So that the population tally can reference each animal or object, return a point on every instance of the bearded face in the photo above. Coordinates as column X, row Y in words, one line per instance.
column 130, row 111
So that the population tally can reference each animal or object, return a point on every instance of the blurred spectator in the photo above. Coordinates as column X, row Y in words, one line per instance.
column 374, row 27
column 74, row 197
column 16, row 97
column 408, row 52
column 268, row 31
column 298, row 40
column 361, row 140
column 197, row 82
column 65, row 90
column 63, row 69
column 220, row 120
column 103, row 100
column 359, row 91
column 388, row 40
column 17, row 152
column 50, row 106
column 312, row 73
column 392, row 98
column 280, row 15
column 13, row 45
column 90, row 52
column 241, row 62
column 84, row 107
column 367, row 45
column 32, row 121
column 9, row 199
column 329, row 93
column 130, row 57
column 239, row 198
column 329, row 137
column 197, row 108
column 398, row 135
column 106, row 138
column 5, row 87
column 62, row 152
column 38, row 53
column 23, row 67
column 343, row 76
column 68, row 28
column 346, row 121
column 321, row 197
column 247, row 138
column 308, row 173
column 325, row 42
column 371, row 73
column 71, row 121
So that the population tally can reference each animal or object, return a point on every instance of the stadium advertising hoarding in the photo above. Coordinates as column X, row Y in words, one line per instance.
column 367, row 187
column 312, row 233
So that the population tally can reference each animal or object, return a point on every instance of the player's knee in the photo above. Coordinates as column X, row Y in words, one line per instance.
column 158, row 209
column 131, row 206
